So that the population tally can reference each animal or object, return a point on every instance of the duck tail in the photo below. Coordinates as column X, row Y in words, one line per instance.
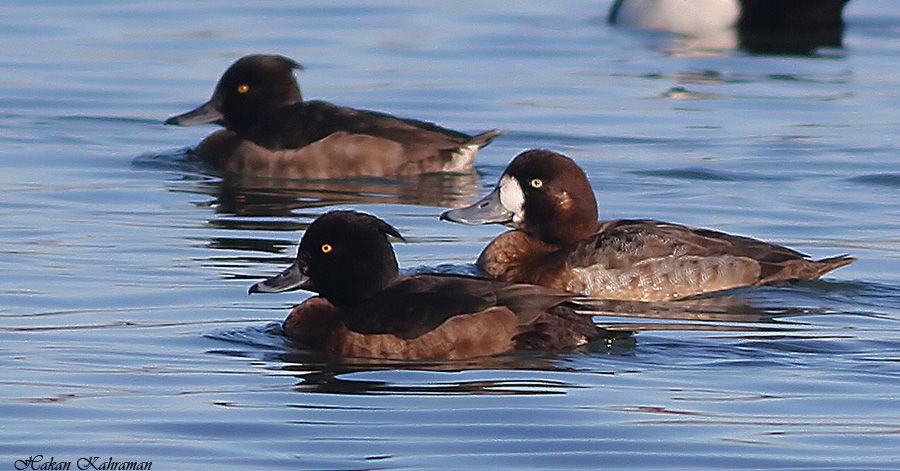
column 800, row 269
column 822, row 266
column 484, row 138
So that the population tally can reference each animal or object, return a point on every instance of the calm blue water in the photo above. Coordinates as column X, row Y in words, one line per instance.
column 126, row 331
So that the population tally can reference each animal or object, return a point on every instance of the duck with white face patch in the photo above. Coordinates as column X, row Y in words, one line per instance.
column 557, row 241
column 531, row 192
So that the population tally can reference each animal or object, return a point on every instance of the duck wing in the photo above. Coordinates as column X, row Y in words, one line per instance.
column 653, row 260
column 419, row 304
column 426, row 146
column 627, row 242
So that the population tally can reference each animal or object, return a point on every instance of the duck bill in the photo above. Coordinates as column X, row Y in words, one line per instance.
column 487, row 210
column 290, row 279
column 204, row 114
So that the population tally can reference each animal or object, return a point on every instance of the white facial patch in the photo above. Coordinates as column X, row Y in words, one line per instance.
column 512, row 198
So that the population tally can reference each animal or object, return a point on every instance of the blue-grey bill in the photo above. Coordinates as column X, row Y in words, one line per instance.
column 290, row 279
column 203, row 114
column 487, row 210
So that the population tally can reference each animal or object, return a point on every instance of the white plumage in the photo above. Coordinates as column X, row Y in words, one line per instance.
column 689, row 17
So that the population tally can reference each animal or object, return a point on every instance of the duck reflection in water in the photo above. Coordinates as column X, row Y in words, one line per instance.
column 321, row 373
column 249, row 196
column 267, row 197
column 247, row 204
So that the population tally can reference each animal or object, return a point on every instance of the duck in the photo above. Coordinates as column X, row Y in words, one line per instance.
column 764, row 26
column 699, row 16
column 692, row 17
column 557, row 241
column 365, row 308
column 270, row 131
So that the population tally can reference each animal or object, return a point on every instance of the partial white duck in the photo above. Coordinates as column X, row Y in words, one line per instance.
column 694, row 17
column 763, row 26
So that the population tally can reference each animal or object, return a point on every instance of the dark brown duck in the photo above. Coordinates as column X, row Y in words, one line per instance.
column 271, row 132
column 366, row 309
column 558, row 242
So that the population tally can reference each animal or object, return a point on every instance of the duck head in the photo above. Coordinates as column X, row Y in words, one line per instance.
column 344, row 256
column 542, row 193
column 252, row 87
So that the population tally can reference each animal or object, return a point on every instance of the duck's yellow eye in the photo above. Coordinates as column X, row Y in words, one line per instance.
column 326, row 248
column 536, row 183
column 243, row 88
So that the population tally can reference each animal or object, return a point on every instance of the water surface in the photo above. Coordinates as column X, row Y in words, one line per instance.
column 125, row 326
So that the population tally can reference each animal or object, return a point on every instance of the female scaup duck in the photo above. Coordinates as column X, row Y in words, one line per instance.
column 366, row 309
column 271, row 132
column 696, row 17
column 558, row 242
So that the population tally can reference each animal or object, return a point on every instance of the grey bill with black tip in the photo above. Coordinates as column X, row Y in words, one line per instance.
column 487, row 210
column 290, row 279
column 203, row 114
